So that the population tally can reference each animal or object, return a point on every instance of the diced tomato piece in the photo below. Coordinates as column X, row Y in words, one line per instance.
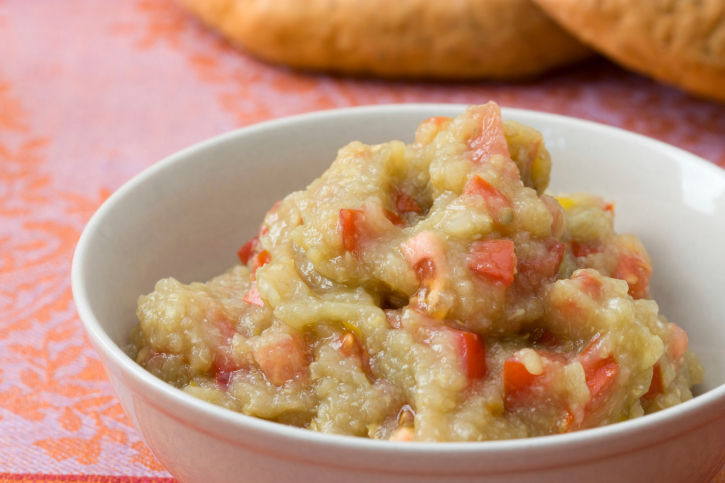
column 222, row 379
column 222, row 362
column 425, row 270
column 494, row 199
column 406, row 204
column 557, row 215
column 493, row 260
column 600, row 372
column 634, row 270
column 281, row 357
column 225, row 327
column 351, row 222
column 425, row 253
column 551, row 263
column 516, row 378
column 534, row 271
column 428, row 129
column 655, row 387
column 263, row 229
column 393, row 318
column 588, row 284
column 247, row 250
column 253, row 297
column 262, row 258
column 395, row 219
column 490, row 139
column 586, row 248
column 472, row 353
column 678, row 342
column 600, row 375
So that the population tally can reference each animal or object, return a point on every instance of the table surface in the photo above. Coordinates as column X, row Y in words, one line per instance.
column 91, row 93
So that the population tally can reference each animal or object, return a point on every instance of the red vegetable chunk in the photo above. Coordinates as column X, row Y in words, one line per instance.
column 494, row 199
column 489, row 138
column 281, row 357
column 395, row 219
column 406, row 204
column 516, row 378
column 248, row 250
column 494, row 260
column 473, row 354
column 351, row 222
column 586, row 248
column 656, row 387
column 252, row 296
column 600, row 372
column 634, row 270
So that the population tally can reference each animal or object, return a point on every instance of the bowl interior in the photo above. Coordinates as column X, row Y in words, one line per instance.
column 187, row 216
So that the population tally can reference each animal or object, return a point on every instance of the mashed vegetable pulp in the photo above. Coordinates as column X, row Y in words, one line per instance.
column 428, row 292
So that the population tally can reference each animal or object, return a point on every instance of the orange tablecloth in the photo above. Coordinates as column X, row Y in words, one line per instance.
column 93, row 92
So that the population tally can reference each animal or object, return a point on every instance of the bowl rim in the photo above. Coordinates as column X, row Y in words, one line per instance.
column 115, row 355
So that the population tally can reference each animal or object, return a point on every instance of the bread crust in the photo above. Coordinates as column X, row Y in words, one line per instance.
column 679, row 42
column 451, row 39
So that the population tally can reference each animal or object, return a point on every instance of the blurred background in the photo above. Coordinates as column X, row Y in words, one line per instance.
column 91, row 93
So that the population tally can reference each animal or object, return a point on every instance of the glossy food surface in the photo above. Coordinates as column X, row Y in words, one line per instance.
column 428, row 292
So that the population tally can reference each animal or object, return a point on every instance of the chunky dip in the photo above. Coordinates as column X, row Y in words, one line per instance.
column 428, row 292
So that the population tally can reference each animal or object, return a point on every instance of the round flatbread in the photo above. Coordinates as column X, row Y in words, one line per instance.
column 680, row 42
column 452, row 39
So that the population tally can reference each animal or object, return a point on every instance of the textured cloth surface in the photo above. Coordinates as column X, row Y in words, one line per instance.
column 91, row 93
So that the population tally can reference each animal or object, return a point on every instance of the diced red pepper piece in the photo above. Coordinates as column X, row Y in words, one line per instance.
column 473, row 354
column 406, row 204
column 494, row 260
column 281, row 357
column 262, row 258
column 586, row 248
column 395, row 219
column 634, row 270
column 490, row 139
column 351, row 222
column 655, row 387
column 600, row 372
column 516, row 378
column 247, row 250
column 253, row 297
column 494, row 199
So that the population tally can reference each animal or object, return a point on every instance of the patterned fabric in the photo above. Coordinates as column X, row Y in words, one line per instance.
column 93, row 92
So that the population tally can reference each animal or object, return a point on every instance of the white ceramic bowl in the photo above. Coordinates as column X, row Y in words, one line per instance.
column 187, row 215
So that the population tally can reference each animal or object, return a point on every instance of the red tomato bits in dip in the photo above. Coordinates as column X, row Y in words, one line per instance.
column 428, row 292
